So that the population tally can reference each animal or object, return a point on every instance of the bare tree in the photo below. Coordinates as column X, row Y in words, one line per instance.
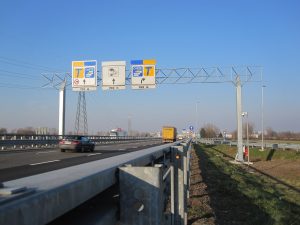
column 202, row 133
column 26, row 131
column 271, row 134
column 210, row 131
column 3, row 131
column 250, row 129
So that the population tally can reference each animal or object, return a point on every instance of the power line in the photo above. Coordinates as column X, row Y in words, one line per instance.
column 23, row 74
column 17, row 76
column 24, row 64
column 18, row 87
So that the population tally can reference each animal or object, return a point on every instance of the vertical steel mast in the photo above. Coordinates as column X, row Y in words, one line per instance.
column 81, row 125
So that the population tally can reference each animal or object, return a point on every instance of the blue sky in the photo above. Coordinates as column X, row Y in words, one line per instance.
column 46, row 36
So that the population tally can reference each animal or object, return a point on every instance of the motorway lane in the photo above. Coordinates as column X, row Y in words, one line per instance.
column 17, row 165
column 23, row 157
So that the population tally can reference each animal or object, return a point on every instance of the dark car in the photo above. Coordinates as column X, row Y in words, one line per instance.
column 76, row 143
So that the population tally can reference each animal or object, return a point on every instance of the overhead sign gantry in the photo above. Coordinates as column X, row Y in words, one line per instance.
column 144, row 75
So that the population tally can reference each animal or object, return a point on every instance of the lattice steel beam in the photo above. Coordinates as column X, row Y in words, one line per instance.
column 181, row 76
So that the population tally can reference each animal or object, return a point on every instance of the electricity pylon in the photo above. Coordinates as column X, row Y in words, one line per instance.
column 81, row 125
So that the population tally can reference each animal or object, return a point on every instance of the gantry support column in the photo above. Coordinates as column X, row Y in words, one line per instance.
column 239, row 120
column 62, row 102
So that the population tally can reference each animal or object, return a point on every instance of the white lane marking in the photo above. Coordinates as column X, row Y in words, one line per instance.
column 44, row 162
column 121, row 149
column 94, row 154
column 44, row 152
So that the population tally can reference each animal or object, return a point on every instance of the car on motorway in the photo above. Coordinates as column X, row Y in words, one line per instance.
column 76, row 143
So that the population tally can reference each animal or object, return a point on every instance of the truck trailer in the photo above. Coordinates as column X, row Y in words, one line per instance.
column 169, row 134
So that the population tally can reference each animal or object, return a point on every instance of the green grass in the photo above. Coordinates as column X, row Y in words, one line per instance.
column 252, row 198
column 283, row 141
column 257, row 155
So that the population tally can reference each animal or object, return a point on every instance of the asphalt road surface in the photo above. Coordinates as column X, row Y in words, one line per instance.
column 14, row 165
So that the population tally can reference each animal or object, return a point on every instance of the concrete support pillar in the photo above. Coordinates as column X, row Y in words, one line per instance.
column 239, row 120
column 62, row 101
column 141, row 195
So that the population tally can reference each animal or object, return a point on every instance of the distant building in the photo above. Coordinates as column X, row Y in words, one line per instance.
column 255, row 135
column 118, row 132
column 155, row 134
column 228, row 136
column 42, row 131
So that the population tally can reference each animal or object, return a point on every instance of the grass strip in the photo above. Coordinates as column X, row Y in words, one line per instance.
column 240, row 197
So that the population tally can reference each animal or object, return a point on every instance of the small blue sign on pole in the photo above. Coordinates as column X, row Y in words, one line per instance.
column 191, row 128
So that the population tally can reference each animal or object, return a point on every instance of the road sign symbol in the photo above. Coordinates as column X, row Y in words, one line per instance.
column 113, row 75
column 149, row 71
column 113, row 71
column 76, row 81
column 90, row 72
column 137, row 71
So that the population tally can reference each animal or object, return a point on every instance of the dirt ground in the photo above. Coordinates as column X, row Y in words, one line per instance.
column 209, row 205
column 199, row 198
column 285, row 170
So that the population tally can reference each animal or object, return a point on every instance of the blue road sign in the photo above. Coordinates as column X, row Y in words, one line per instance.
column 137, row 71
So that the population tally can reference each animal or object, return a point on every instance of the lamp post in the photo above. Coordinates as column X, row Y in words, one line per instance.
column 262, row 117
column 197, row 129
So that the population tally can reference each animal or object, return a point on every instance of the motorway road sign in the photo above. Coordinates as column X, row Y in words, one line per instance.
column 113, row 75
column 143, row 74
column 84, row 75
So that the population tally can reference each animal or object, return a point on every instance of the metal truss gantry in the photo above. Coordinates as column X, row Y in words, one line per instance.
column 237, row 75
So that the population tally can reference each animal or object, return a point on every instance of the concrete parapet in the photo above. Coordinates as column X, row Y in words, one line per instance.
column 141, row 195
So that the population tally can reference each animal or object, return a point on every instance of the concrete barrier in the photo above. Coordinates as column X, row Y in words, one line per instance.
column 57, row 192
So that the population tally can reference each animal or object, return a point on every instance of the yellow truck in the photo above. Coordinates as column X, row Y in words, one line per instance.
column 169, row 134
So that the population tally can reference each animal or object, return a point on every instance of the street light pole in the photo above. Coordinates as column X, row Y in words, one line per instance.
column 262, row 117
column 248, row 140
column 197, row 129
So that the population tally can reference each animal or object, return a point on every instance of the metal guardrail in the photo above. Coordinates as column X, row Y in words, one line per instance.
column 45, row 141
column 283, row 146
column 41, row 198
